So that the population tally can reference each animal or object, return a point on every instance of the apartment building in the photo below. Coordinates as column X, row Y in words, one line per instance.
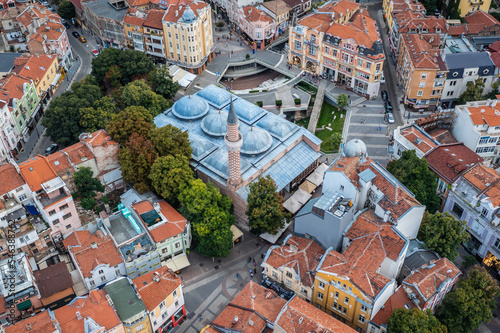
column 279, row 12
column 468, row 7
column 134, row 30
column 299, row 7
column 53, row 294
column 105, row 19
column 9, row 136
column 421, row 71
column 188, row 35
column 482, row 24
column 153, row 35
column 52, row 38
column 412, row 137
column 257, row 25
column 393, row 7
column 345, row 48
column 293, row 264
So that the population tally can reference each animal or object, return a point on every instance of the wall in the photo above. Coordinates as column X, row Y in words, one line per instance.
column 409, row 223
column 109, row 274
column 57, row 296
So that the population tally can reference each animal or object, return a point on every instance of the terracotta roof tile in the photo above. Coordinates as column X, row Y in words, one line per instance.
column 418, row 138
column 450, row 161
column 37, row 171
column 173, row 9
column 152, row 292
column 252, row 14
column 34, row 67
column 10, row 179
column 78, row 153
column 339, row 8
column 11, row 87
column 423, row 50
column 313, row 319
column 94, row 306
column 485, row 114
column 277, row 7
column 38, row 323
column 457, row 30
column 479, row 21
column 98, row 138
column 398, row 300
column 59, row 161
column 87, row 258
column 154, row 19
column 133, row 20
column 301, row 254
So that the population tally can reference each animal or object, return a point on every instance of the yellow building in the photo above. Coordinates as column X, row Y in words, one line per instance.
column 188, row 35
column 134, row 31
column 354, row 285
column 467, row 7
column 161, row 292
column 393, row 7
column 280, row 13
column 42, row 69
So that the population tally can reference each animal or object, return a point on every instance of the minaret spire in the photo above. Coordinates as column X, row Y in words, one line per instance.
column 233, row 142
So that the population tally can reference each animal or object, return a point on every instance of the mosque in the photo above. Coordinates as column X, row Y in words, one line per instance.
column 234, row 142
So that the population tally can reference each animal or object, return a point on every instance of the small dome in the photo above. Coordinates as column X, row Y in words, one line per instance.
column 278, row 127
column 215, row 123
column 190, row 107
column 256, row 141
column 353, row 148
column 188, row 16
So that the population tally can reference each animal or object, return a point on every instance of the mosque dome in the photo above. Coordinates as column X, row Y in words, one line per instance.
column 190, row 107
column 256, row 141
column 353, row 148
column 188, row 16
column 215, row 123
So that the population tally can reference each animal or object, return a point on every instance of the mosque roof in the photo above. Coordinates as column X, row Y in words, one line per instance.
column 255, row 141
column 215, row 96
column 215, row 123
column 247, row 112
column 190, row 107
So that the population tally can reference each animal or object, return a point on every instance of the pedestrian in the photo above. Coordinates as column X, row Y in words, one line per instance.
column 200, row 317
column 253, row 260
column 250, row 271
column 237, row 276
column 254, row 263
column 251, row 275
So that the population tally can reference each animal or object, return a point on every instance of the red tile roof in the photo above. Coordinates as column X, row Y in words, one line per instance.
column 59, row 161
column 300, row 254
column 479, row 21
column 486, row 180
column 313, row 319
column 133, row 20
column 38, row 323
column 339, row 8
column 154, row 292
column 37, row 171
column 457, row 30
column 88, row 257
column 10, row 179
column 154, row 19
column 98, row 138
column 423, row 50
column 78, row 153
column 398, row 300
column 277, row 7
column 418, row 138
column 427, row 280
column 12, row 87
column 252, row 14
column 484, row 114
column 175, row 11
column 450, row 161
column 94, row 306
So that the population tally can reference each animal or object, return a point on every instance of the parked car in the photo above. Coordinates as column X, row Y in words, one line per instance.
column 95, row 53
column 82, row 39
column 389, row 117
column 76, row 34
column 51, row 149
column 388, row 106
column 383, row 94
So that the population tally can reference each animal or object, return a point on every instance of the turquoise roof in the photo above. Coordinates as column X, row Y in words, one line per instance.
column 190, row 107
column 215, row 96
column 248, row 112
column 278, row 127
column 215, row 123
column 188, row 16
column 255, row 141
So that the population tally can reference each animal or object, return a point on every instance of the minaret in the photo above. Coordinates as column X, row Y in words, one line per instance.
column 233, row 142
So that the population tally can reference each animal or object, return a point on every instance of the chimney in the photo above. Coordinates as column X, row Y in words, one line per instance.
column 386, row 215
column 78, row 315
column 493, row 103
column 93, row 245
column 28, row 327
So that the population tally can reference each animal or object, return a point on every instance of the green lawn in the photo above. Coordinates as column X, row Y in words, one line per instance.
column 303, row 122
column 325, row 118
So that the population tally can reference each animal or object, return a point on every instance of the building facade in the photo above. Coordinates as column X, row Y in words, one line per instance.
column 257, row 25
column 467, row 7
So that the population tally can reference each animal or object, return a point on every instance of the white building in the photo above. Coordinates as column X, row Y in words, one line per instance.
column 9, row 136
column 477, row 125
column 412, row 137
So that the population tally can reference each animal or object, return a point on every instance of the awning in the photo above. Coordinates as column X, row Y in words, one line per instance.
column 274, row 238
column 236, row 232
column 177, row 263
column 296, row 201
column 32, row 210
column 24, row 305
column 316, row 178
column 307, row 186
column 56, row 79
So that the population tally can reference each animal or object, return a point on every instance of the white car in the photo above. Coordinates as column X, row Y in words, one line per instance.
column 390, row 118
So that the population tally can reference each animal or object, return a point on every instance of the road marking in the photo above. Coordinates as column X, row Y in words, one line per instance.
column 209, row 72
column 358, row 135
column 374, row 114
column 279, row 62
column 375, row 146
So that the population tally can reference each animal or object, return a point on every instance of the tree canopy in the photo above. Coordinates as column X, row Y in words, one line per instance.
column 161, row 83
column 132, row 64
column 414, row 321
column 471, row 303
column 99, row 115
column 265, row 207
column 139, row 93
column 210, row 213
column 66, row 10
column 473, row 92
column 443, row 233
column 342, row 101
column 414, row 173
column 62, row 119
column 134, row 119
column 169, row 140
column 170, row 175
column 87, row 187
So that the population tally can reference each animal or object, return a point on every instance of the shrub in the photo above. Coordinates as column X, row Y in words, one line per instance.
column 247, row 56
column 88, row 203
column 105, row 200
column 259, row 103
column 253, row 91
column 297, row 101
column 279, row 102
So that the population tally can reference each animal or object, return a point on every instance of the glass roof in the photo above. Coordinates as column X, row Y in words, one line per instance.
column 255, row 141
column 216, row 96
column 218, row 163
column 190, row 107
column 278, row 127
column 215, row 123
column 248, row 112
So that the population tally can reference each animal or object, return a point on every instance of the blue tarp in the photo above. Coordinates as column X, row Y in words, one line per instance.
column 32, row 210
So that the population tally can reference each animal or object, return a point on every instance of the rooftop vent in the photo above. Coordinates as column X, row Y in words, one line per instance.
column 301, row 319
column 78, row 315
column 93, row 245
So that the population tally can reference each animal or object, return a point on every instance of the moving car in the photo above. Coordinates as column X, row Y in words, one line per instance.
column 383, row 94
column 76, row 34
column 51, row 149
column 95, row 53
column 66, row 25
column 390, row 118
column 82, row 39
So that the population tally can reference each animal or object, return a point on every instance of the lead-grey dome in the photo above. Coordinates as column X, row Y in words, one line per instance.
column 215, row 123
column 353, row 148
column 190, row 107
column 188, row 16
column 255, row 141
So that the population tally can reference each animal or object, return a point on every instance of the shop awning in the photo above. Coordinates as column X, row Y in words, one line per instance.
column 32, row 210
column 56, row 79
column 177, row 263
column 236, row 232
column 24, row 305
column 307, row 186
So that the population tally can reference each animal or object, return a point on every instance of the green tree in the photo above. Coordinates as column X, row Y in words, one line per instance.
column 210, row 213
column 471, row 303
column 134, row 119
column 86, row 184
column 414, row 321
column 139, row 93
column 473, row 92
column 98, row 116
column 169, row 140
column 342, row 102
column 414, row 173
column 265, row 207
column 219, row 25
column 114, row 76
column 132, row 64
column 170, row 175
column 443, row 234
column 136, row 159
column 161, row 83
column 66, row 10
column 335, row 139
column 62, row 119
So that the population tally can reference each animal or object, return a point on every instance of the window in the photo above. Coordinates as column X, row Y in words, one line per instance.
column 484, row 213
column 174, row 294
column 52, row 212
column 453, row 83
column 177, row 245
column 91, row 282
column 176, row 304
column 67, row 216
column 378, row 68
column 497, row 243
column 321, row 285
column 117, row 272
column 164, row 250
column 424, row 76
column 363, row 308
column 288, row 274
column 162, row 305
column 344, row 310
column 421, row 85
column 303, row 291
column 22, row 197
column 361, row 318
column 101, row 271
column 334, row 305
column 493, row 140
column 320, row 296
column 68, row 227
column 368, row 65
column 336, row 294
column 275, row 275
column 341, row 187
column 63, row 207
column 346, row 300
column 484, row 140
column 340, row 307
column 55, row 222
column 420, row 93
column 449, row 93
column 327, row 50
column 360, row 62
column 334, row 53
column 288, row 282
column 103, row 278
column 457, row 210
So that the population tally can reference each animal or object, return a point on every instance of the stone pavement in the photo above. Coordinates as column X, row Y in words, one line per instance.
column 318, row 103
